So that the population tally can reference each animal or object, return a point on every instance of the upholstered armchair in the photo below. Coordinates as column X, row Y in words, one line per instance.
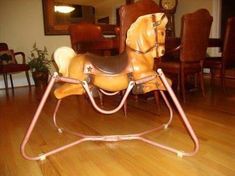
column 9, row 64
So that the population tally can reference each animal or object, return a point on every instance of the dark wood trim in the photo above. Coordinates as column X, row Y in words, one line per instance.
column 52, row 28
column 129, row 1
column 215, row 42
column 227, row 10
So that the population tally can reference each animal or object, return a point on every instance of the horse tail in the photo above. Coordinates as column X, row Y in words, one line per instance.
column 63, row 57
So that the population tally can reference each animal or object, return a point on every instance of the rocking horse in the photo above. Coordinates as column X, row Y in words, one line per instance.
column 132, row 70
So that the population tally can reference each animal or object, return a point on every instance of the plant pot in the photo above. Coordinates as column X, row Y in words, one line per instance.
column 40, row 78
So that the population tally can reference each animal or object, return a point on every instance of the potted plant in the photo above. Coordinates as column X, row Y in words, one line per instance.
column 39, row 65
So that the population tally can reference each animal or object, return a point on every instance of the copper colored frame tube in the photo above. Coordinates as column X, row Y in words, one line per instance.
column 110, row 138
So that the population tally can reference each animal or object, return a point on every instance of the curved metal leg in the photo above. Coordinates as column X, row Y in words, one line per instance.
column 101, row 92
column 110, row 138
column 129, row 88
column 54, row 116
column 137, row 135
column 183, row 116
column 35, row 118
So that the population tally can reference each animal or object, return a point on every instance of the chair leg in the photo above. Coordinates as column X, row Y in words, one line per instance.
column 196, row 75
column 157, row 100
column 202, row 83
column 12, row 85
column 178, row 83
column 222, row 77
column 182, row 76
column 5, row 81
column 223, row 80
column 28, row 79
column 212, row 76
column 136, row 98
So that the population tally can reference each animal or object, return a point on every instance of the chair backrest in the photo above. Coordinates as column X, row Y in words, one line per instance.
column 195, row 31
column 229, row 44
column 6, row 55
column 3, row 47
column 84, row 32
column 129, row 13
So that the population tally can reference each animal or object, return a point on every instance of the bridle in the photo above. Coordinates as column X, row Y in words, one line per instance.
column 155, row 25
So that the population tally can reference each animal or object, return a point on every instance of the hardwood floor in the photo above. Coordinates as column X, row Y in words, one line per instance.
column 212, row 117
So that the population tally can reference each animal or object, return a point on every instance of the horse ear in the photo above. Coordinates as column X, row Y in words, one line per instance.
column 161, row 17
column 63, row 57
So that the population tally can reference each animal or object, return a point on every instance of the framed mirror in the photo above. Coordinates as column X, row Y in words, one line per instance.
column 57, row 21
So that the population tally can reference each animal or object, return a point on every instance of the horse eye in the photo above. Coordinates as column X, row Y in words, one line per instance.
column 155, row 24
column 162, row 33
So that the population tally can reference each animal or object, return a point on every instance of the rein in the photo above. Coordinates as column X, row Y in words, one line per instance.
column 155, row 24
column 144, row 52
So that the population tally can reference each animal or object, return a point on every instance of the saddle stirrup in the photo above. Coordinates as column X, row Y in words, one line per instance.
column 110, row 138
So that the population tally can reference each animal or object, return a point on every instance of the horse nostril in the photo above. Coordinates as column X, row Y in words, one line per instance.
column 162, row 33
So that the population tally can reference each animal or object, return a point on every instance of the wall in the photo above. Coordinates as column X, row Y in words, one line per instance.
column 22, row 25
column 213, row 6
column 188, row 6
column 111, row 6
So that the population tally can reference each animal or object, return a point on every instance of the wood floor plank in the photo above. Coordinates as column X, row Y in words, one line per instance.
column 212, row 117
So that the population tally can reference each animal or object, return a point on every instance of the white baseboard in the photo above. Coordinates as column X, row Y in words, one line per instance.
column 206, row 70
column 18, row 81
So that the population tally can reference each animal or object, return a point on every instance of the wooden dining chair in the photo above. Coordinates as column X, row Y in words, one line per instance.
column 227, row 60
column 128, row 14
column 195, row 30
column 214, row 63
column 9, row 64
column 88, row 37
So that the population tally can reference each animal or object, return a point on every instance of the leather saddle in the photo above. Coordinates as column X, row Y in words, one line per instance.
column 108, row 65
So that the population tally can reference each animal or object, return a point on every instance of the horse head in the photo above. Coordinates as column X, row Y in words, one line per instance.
column 147, row 35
